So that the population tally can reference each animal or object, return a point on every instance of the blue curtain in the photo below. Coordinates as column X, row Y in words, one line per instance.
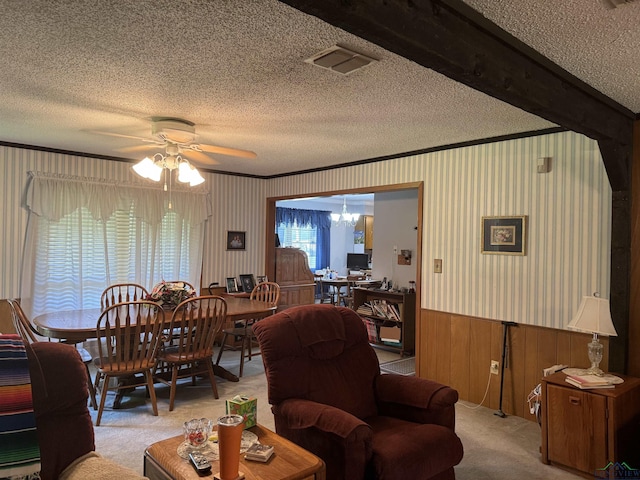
column 320, row 219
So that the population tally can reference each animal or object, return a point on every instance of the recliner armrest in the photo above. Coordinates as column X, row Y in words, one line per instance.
column 301, row 413
column 343, row 441
column 416, row 399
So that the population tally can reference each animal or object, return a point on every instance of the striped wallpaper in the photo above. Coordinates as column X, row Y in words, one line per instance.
column 569, row 213
column 568, row 251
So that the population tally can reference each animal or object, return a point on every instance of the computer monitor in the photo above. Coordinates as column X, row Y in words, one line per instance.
column 357, row 261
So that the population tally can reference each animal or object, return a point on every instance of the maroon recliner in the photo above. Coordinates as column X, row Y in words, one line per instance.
column 63, row 422
column 328, row 396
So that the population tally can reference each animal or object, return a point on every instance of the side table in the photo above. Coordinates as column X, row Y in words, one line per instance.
column 590, row 430
column 289, row 461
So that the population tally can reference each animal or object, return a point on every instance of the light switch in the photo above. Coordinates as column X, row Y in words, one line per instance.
column 437, row 265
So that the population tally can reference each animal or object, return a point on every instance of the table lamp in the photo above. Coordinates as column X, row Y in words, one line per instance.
column 593, row 316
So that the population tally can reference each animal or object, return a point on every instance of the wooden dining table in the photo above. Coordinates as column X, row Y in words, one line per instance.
column 75, row 326
column 335, row 285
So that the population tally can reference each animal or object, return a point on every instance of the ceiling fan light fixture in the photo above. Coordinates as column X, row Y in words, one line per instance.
column 153, row 168
column 196, row 178
column 184, row 172
column 187, row 173
column 147, row 168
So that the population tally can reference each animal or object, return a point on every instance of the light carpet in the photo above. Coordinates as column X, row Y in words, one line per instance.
column 402, row 366
column 495, row 448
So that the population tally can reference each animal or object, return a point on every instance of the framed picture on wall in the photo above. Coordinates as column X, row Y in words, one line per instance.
column 247, row 282
column 235, row 240
column 232, row 285
column 504, row 235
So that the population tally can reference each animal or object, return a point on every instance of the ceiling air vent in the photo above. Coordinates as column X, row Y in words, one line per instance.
column 341, row 60
column 614, row 3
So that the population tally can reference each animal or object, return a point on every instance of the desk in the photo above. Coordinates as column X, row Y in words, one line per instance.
column 291, row 462
column 76, row 326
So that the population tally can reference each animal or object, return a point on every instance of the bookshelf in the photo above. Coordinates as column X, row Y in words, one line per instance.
column 390, row 318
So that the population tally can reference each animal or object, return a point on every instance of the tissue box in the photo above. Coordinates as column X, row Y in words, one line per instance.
column 245, row 406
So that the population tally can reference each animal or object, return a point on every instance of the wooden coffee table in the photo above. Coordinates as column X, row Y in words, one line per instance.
column 291, row 462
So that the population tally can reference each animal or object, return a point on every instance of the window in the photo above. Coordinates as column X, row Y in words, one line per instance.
column 308, row 230
column 303, row 238
column 77, row 248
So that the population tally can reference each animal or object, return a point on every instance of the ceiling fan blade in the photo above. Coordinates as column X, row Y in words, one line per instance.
column 121, row 135
column 139, row 148
column 233, row 152
column 199, row 157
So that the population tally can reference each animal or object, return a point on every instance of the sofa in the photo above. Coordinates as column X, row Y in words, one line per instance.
column 328, row 395
column 63, row 424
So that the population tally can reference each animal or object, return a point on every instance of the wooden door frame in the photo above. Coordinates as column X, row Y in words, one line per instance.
column 270, row 224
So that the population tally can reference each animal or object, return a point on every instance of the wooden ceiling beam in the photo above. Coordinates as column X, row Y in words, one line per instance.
column 449, row 37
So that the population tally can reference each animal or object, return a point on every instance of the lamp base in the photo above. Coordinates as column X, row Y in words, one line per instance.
column 594, row 350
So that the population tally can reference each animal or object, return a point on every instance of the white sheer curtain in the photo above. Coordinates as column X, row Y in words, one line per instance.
column 85, row 234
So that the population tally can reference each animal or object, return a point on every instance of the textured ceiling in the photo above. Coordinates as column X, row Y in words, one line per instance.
column 236, row 69
column 599, row 45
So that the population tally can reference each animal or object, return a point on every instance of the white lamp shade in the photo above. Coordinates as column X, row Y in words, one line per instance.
column 196, row 178
column 148, row 169
column 187, row 173
column 335, row 217
column 184, row 172
column 594, row 316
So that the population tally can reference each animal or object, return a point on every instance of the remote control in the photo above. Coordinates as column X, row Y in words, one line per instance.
column 200, row 463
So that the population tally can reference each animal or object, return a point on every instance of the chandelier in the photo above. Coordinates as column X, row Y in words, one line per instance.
column 345, row 218
column 152, row 168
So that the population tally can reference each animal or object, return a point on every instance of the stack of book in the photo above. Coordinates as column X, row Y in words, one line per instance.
column 586, row 382
column 383, row 309
column 365, row 309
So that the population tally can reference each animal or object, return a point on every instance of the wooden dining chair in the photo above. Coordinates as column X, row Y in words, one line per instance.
column 122, row 292
column 242, row 331
column 129, row 337
column 29, row 334
column 352, row 282
column 193, row 329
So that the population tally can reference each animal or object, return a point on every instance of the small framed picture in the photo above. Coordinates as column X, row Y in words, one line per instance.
column 247, row 282
column 232, row 285
column 504, row 235
column 235, row 240
column 262, row 278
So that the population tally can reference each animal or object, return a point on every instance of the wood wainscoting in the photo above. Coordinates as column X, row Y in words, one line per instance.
column 457, row 350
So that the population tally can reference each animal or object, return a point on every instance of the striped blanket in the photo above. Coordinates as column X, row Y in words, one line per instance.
column 19, row 451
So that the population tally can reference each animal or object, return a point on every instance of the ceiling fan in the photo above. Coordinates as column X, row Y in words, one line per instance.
column 178, row 136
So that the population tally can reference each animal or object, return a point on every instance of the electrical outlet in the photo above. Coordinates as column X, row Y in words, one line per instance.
column 494, row 367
